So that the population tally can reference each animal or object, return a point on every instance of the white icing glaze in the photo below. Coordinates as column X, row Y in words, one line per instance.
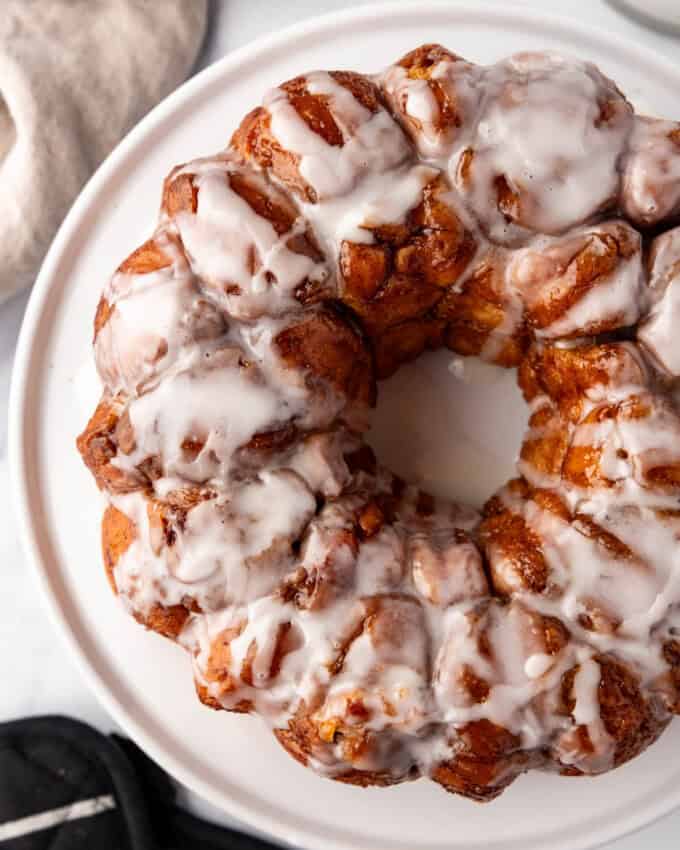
column 537, row 665
column 379, row 199
column 421, row 104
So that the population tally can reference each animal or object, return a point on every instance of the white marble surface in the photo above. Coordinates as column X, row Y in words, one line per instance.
column 37, row 674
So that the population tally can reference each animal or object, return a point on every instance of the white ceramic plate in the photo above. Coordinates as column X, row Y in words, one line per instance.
column 144, row 681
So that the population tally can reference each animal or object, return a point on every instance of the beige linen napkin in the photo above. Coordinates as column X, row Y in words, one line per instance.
column 75, row 76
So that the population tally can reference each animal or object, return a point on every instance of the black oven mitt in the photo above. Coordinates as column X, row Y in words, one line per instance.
column 65, row 786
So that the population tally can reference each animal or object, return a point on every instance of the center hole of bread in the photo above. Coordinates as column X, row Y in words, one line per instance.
column 452, row 425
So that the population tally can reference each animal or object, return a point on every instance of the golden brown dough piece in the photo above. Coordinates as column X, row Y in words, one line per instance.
column 321, row 111
column 329, row 349
column 118, row 534
column 518, row 171
column 281, row 262
column 129, row 354
column 394, row 284
column 98, row 446
column 483, row 316
column 435, row 95
column 650, row 192
column 556, row 278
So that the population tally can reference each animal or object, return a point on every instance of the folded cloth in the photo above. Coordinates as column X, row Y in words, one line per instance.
column 65, row 786
column 75, row 76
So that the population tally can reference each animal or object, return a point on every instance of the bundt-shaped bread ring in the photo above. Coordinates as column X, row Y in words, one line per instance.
column 353, row 222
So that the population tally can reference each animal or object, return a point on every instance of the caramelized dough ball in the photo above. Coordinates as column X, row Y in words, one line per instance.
column 257, row 669
column 658, row 331
column 544, row 447
column 118, row 534
column 320, row 133
column 218, row 684
column 488, row 759
column 600, row 569
column 350, row 547
column 151, row 311
column 483, row 316
column 521, row 177
column 326, row 347
column 587, row 282
column 434, row 95
column 303, row 740
column 406, row 269
column 404, row 342
column 627, row 724
column 514, row 645
column 574, row 377
column 650, row 193
column 244, row 237
column 529, row 535
column 582, row 435
column 495, row 644
column 619, row 445
column 98, row 447
column 391, row 636
column 446, row 567
column 393, row 283
column 514, row 550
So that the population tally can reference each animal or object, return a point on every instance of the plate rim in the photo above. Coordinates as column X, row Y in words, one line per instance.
column 47, row 284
